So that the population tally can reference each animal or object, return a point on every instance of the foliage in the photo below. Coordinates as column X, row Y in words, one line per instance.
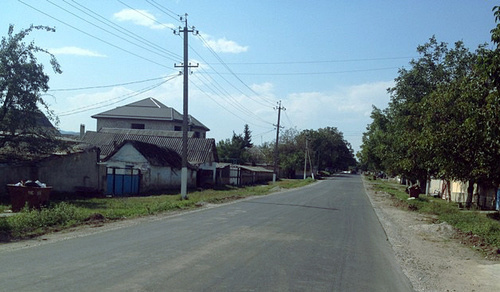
column 469, row 222
column 235, row 150
column 443, row 119
column 22, row 82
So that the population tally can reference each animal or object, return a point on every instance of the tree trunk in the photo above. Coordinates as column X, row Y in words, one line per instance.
column 470, row 193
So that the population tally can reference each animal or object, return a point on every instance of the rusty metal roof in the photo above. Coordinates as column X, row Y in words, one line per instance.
column 199, row 150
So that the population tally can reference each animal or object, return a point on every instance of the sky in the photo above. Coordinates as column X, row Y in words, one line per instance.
column 327, row 62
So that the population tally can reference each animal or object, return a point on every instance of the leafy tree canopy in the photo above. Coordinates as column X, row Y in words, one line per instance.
column 23, row 126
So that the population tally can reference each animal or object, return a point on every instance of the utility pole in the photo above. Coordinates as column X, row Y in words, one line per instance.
column 276, row 154
column 185, row 65
column 305, row 158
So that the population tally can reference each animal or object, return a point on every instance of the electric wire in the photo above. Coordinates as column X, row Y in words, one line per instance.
column 230, row 100
column 145, row 15
column 115, row 100
column 315, row 62
column 223, row 107
column 108, row 31
column 119, row 28
column 104, row 86
column 227, row 67
column 314, row 73
column 165, row 10
column 220, row 88
column 93, row 36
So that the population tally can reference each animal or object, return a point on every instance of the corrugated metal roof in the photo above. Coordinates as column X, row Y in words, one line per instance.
column 147, row 109
column 199, row 150
column 255, row 168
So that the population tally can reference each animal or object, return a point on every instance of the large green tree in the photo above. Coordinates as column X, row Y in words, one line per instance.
column 235, row 150
column 22, row 83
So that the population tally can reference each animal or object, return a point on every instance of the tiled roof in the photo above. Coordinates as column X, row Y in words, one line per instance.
column 199, row 150
column 148, row 109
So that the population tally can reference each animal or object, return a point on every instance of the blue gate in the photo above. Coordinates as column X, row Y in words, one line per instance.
column 123, row 181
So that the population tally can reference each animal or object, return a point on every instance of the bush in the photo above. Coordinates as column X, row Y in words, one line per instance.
column 32, row 222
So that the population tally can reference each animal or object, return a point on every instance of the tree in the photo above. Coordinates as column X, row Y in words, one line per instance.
column 374, row 155
column 235, row 150
column 22, row 82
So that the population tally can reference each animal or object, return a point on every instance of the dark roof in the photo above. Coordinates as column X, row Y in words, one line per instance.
column 199, row 150
column 155, row 155
column 146, row 132
column 148, row 109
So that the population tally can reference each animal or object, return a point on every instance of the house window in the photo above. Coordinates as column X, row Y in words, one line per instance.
column 177, row 128
column 138, row 126
column 197, row 134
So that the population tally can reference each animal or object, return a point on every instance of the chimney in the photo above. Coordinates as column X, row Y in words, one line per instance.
column 82, row 131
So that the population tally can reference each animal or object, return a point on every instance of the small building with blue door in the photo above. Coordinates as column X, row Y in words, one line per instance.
column 136, row 167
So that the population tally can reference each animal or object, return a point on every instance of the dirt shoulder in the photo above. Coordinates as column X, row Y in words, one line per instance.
column 431, row 254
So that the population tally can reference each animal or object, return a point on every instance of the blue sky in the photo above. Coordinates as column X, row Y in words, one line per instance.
column 328, row 62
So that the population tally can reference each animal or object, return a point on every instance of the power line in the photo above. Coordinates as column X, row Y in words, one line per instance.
column 145, row 15
column 105, row 30
column 113, row 100
column 165, row 10
column 105, row 86
column 315, row 73
column 93, row 36
column 225, row 108
column 227, row 81
column 229, row 69
column 121, row 29
column 315, row 62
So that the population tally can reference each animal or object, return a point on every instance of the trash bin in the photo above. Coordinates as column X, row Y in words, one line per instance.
column 414, row 191
column 35, row 196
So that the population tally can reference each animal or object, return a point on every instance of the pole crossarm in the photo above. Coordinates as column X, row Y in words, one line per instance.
column 185, row 65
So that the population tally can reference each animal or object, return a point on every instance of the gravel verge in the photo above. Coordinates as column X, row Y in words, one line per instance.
column 431, row 254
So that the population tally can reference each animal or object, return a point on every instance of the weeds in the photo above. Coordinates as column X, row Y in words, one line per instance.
column 68, row 213
column 472, row 223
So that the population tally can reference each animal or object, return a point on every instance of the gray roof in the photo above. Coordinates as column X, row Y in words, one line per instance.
column 148, row 109
column 146, row 132
column 199, row 150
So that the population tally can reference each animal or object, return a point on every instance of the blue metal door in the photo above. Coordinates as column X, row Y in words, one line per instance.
column 123, row 181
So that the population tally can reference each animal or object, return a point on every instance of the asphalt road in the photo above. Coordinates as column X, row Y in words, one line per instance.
column 324, row 237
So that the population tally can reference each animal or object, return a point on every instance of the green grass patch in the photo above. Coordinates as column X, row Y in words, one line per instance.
column 473, row 223
column 69, row 213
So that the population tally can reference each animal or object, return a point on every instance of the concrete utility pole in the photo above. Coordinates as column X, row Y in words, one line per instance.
column 185, row 65
column 276, row 154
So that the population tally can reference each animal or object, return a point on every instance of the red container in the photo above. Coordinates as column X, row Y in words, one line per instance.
column 34, row 196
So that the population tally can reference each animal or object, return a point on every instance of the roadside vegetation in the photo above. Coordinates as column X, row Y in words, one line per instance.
column 60, row 215
column 479, row 230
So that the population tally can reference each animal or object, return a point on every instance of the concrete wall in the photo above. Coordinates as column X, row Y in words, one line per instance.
column 153, row 178
column 67, row 172
column 64, row 173
column 148, row 125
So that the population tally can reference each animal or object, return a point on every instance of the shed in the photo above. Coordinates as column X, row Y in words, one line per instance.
column 136, row 167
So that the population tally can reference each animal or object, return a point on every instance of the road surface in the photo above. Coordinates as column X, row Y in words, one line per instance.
column 324, row 237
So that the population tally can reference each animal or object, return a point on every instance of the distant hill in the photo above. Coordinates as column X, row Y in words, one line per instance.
column 69, row 133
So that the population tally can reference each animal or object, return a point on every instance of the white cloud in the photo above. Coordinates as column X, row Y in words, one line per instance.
column 75, row 51
column 224, row 45
column 347, row 108
column 142, row 18
column 264, row 88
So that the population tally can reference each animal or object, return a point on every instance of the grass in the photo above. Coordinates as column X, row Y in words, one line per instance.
column 70, row 213
column 483, row 228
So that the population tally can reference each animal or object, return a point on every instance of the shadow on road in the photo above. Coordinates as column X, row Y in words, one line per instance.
column 292, row 205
